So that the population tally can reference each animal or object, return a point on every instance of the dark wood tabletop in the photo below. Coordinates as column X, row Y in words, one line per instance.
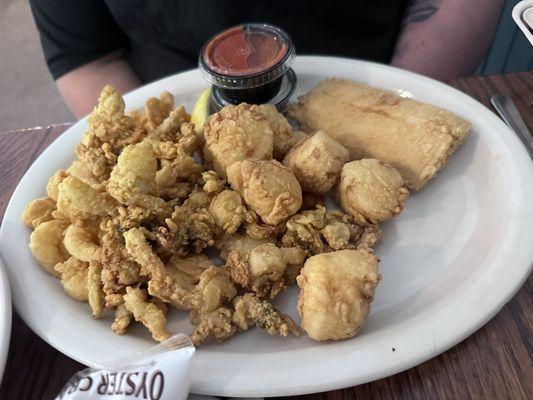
column 494, row 363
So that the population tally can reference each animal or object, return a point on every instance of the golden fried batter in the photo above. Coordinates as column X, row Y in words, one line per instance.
column 268, row 188
column 147, row 312
column 415, row 138
column 250, row 311
column 322, row 230
column 316, row 162
column 227, row 210
column 74, row 276
column 336, row 291
column 216, row 324
column 46, row 245
column 371, row 191
column 237, row 133
column 38, row 211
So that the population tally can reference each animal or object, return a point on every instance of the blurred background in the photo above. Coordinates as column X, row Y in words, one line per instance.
column 29, row 96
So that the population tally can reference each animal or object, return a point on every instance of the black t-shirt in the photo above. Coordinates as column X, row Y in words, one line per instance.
column 161, row 37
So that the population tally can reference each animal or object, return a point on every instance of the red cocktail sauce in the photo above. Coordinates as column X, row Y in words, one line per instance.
column 240, row 52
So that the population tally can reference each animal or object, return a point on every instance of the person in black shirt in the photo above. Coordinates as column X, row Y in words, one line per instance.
column 89, row 43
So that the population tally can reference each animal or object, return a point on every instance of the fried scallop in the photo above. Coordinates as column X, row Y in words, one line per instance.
column 237, row 133
column 336, row 290
column 317, row 162
column 268, row 188
column 371, row 191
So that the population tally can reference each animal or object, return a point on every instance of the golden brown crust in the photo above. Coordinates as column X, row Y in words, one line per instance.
column 415, row 138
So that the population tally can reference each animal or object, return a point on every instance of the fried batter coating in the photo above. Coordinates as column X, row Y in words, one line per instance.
column 371, row 191
column 46, row 245
column 257, row 229
column 74, row 276
column 214, row 289
column 250, row 310
column 158, row 109
column 216, row 324
column 139, row 248
column 77, row 200
column 284, row 136
column 190, row 228
column 118, row 266
column 81, row 243
column 212, row 183
column 52, row 189
column 317, row 162
column 265, row 269
column 95, row 291
column 192, row 266
column 336, row 291
column 227, row 210
column 148, row 313
column 322, row 230
column 237, row 133
column 132, row 180
column 268, row 188
column 241, row 244
column 81, row 171
column 122, row 320
column 38, row 211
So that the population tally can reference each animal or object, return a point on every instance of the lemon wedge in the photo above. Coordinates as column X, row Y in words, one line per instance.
column 201, row 110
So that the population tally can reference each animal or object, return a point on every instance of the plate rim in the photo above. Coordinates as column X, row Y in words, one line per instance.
column 411, row 361
column 6, row 310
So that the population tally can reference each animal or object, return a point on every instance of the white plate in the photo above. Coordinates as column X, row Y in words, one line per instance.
column 456, row 255
column 5, row 317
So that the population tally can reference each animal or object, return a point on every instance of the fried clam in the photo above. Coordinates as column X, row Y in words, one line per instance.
column 321, row 230
column 262, row 269
column 252, row 311
column 150, row 313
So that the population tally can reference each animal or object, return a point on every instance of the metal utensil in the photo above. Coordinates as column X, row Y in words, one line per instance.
column 509, row 113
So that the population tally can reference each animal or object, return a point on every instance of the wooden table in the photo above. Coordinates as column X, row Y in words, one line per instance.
column 494, row 363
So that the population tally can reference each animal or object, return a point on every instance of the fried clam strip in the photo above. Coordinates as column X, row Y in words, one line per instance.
column 167, row 285
column 109, row 131
column 94, row 287
column 122, row 320
column 322, row 230
column 216, row 324
column 190, row 228
column 151, row 314
column 119, row 269
column 262, row 270
column 250, row 310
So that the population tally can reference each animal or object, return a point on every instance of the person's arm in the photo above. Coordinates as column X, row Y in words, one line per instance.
column 81, row 87
column 446, row 39
column 83, row 45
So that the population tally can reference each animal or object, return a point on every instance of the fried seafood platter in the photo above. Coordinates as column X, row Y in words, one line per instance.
column 217, row 221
